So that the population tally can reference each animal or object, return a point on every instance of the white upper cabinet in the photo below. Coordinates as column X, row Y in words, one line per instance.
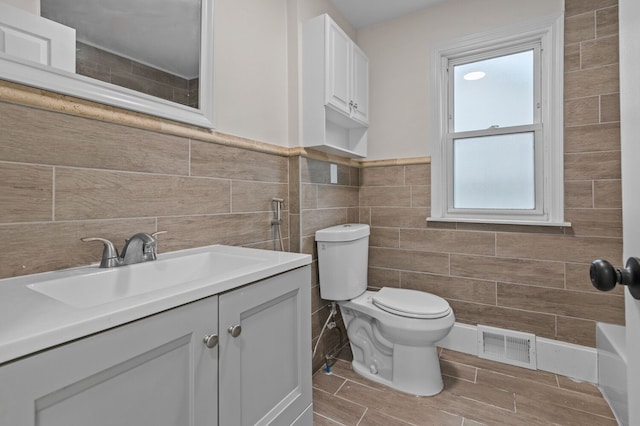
column 360, row 85
column 335, row 90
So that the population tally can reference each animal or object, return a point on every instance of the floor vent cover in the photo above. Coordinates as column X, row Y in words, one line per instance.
column 509, row 347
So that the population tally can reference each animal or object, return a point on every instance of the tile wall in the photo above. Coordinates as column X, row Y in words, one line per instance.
column 105, row 66
column 65, row 177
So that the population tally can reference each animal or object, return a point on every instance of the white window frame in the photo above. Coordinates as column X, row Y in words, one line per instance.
column 547, row 35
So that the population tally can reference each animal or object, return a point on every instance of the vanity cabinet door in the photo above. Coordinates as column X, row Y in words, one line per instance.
column 265, row 370
column 154, row 371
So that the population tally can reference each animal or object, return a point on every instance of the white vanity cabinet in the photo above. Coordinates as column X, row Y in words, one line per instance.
column 265, row 370
column 158, row 370
column 335, row 90
column 154, row 371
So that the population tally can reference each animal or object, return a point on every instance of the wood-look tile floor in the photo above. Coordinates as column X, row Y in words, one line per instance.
column 476, row 392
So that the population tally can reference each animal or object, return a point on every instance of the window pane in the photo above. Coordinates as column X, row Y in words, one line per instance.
column 494, row 172
column 502, row 97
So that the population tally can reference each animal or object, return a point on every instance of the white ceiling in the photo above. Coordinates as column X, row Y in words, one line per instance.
column 362, row 13
column 162, row 33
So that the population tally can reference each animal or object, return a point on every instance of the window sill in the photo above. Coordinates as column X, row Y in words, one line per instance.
column 499, row 221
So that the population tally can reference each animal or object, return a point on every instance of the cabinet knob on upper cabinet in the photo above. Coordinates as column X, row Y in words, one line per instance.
column 604, row 276
column 211, row 340
column 235, row 330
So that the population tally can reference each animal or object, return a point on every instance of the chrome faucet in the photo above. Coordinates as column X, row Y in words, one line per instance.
column 141, row 247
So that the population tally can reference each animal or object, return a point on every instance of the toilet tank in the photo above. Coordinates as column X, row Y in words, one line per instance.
column 343, row 255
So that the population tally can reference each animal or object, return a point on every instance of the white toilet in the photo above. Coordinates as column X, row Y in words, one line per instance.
column 392, row 332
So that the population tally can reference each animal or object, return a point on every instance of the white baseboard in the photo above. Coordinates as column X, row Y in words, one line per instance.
column 575, row 361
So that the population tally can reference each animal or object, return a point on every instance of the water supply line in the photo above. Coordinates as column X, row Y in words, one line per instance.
column 277, row 204
column 332, row 315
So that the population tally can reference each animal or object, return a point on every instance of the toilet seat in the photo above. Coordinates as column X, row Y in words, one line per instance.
column 411, row 303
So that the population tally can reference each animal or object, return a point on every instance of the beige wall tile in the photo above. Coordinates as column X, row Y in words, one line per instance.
column 595, row 222
column 540, row 324
column 26, row 193
column 471, row 290
column 65, row 140
column 582, row 111
column 558, row 247
column 574, row 7
column 399, row 217
column 578, row 331
column 418, row 174
column 382, row 176
column 256, row 196
column 599, row 137
column 600, row 165
column 337, row 196
column 610, row 108
column 448, row 241
column 578, row 278
column 314, row 220
column 229, row 229
column 212, row 160
column 607, row 21
column 92, row 194
column 40, row 247
column 579, row 28
column 577, row 304
column 384, row 237
column 591, row 82
column 522, row 271
column 572, row 57
column 317, row 171
column 492, row 227
column 420, row 196
column 601, row 51
column 294, row 185
column 385, row 196
column 353, row 214
column 607, row 193
column 578, row 194
column 309, row 197
column 379, row 277
column 364, row 215
column 407, row 260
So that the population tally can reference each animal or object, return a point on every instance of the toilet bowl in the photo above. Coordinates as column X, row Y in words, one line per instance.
column 392, row 332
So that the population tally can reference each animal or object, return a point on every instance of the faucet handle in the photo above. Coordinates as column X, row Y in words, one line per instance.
column 109, row 253
column 158, row 233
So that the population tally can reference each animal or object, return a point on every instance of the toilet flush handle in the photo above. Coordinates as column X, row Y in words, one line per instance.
column 604, row 276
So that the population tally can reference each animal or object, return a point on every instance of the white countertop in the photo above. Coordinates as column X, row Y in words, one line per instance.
column 31, row 321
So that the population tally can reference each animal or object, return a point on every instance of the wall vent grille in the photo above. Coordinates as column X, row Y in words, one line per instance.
column 509, row 347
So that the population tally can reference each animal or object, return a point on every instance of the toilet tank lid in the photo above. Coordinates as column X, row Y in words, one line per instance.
column 348, row 232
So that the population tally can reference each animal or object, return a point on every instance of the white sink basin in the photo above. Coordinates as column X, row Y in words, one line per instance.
column 95, row 286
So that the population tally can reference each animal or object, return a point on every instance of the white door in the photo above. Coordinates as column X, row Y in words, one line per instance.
column 629, row 15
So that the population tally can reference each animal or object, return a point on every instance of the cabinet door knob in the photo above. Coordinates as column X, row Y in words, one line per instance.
column 235, row 330
column 211, row 340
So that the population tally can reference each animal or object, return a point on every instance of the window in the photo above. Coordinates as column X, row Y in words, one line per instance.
column 497, row 130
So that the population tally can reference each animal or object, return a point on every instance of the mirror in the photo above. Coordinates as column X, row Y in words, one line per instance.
column 149, row 56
